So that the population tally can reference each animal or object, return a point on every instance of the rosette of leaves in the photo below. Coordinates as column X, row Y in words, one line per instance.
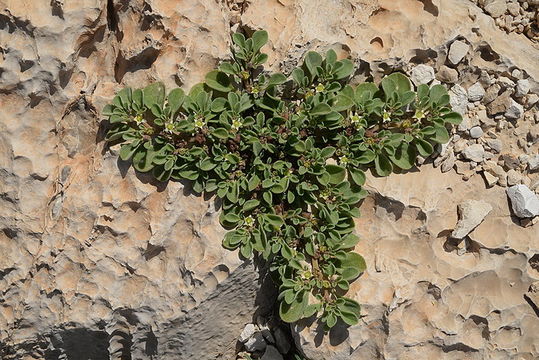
column 287, row 156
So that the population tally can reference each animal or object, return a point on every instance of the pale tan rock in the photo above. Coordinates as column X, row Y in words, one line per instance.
column 471, row 214
column 97, row 251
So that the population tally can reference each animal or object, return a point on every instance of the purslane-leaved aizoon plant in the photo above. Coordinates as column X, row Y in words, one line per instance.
column 287, row 158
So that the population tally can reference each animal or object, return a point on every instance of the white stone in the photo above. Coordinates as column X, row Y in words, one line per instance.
column 458, row 98
column 476, row 132
column 524, row 202
column 457, row 51
column 533, row 162
column 532, row 99
column 422, row 74
column 514, row 111
column 490, row 179
column 271, row 353
column 476, row 92
column 474, row 152
column 471, row 214
column 247, row 332
column 523, row 87
column 496, row 8
column 448, row 163
column 496, row 145
column 513, row 177
column 255, row 343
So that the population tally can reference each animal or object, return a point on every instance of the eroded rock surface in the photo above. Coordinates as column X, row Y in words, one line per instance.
column 105, row 263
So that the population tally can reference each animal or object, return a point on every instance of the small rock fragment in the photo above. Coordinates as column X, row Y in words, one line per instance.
column 255, row 343
column 501, row 104
column 524, row 202
column 532, row 99
column 496, row 8
column 514, row 111
column 533, row 135
column 458, row 98
column 467, row 123
column 513, row 177
column 490, row 179
column 496, row 145
column 492, row 93
column 510, row 161
column 247, row 332
column 505, row 82
column 422, row 74
column 523, row 88
column 476, row 132
column 533, row 163
column 476, row 92
column 447, row 75
column 485, row 78
column 474, row 152
column 513, row 8
column 533, row 293
column 457, row 51
column 448, row 163
column 496, row 170
column 471, row 214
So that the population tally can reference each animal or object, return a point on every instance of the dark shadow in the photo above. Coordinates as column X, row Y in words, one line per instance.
column 487, row 53
column 429, row 7
column 123, row 166
column 423, row 55
column 56, row 9
column 102, row 130
column 150, row 347
column 148, row 178
column 534, row 262
column 266, row 296
column 141, row 61
column 79, row 344
column 391, row 206
column 336, row 336
column 458, row 347
column 515, row 219
column 532, row 304
column 26, row 64
column 152, row 251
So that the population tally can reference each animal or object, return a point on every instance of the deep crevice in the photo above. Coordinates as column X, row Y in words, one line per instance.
column 429, row 7
column 112, row 17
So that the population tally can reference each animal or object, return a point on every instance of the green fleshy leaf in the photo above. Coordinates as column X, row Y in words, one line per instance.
column 453, row 118
column 219, row 81
column 293, row 312
column 382, row 165
column 175, row 100
column 345, row 69
column 260, row 38
column 320, row 109
column 336, row 173
column 154, row 94
column 357, row 175
column 423, row 147
column 404, row 156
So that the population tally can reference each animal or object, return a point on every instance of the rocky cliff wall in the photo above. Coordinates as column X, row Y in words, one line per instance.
column 100, row 262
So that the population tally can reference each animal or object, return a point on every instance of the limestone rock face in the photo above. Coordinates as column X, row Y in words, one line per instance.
column 98, row 260
column 423, row 296
column 101, row 262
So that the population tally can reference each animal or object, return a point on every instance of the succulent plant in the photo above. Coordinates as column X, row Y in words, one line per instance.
column 287, row 158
